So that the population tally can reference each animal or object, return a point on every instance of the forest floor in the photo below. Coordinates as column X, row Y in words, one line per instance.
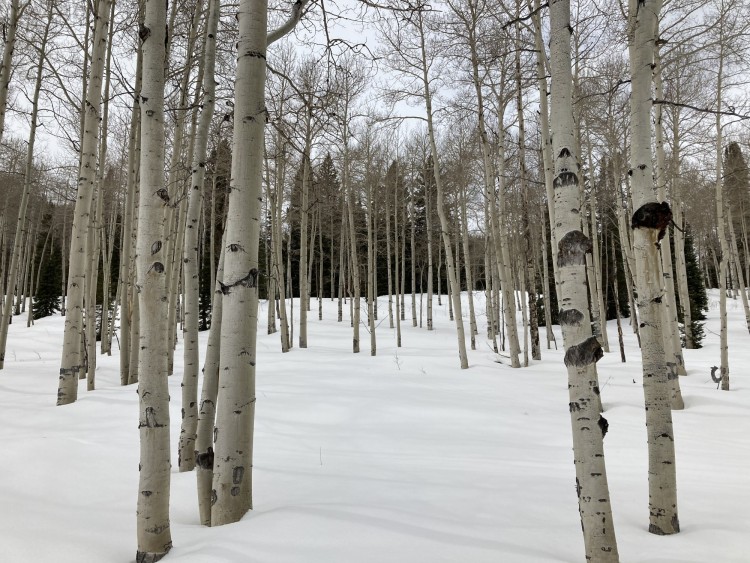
column 399, row 458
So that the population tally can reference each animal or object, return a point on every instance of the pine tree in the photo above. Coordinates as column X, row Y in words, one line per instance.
column 696, row 291
column 47, row 297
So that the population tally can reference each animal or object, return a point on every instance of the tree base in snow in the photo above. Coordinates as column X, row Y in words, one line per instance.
column 151, row 557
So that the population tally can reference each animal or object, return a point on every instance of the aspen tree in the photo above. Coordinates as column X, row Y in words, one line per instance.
column 9, row 44
column 582, row 350
column 126, row 274
column 13, row 286
column 153, row 528
column 454, row 289
column 649, row 221
column 204, row 451
column 71, row 361
column 235, row 405
column 721, row 231
column 187, row 450
column 672, row 345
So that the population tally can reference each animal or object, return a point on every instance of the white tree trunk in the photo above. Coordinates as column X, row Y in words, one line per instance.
column 154, row 536
column 235, row 409
column 649, row 221
column 582, row 350
column 9, row 34
column 15, row 259
column 71, row 361
column 186, row 450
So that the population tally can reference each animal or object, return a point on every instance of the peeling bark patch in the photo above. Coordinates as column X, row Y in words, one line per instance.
column 570, row 317
column 604, row 425
column 565, row 179
column 572, row 249
column 250, row 281
column 163, row 195
column 587, row 352
column 652, row 215
column 157, row 529
column 206, row 459
column 149, row 557
column 150, row 419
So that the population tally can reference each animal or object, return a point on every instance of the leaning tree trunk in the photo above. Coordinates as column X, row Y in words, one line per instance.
column 204, row 451
column 649, row 223
column 186, row 449
column 8, row 47
column 454, row 289
column 70, row 367
column 127, row 292
column 582, row 350
column 21, row 221
column 672, row 344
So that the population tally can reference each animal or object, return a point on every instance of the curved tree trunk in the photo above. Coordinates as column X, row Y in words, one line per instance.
column 186, row 450
column 71, row 364
column 15, row 259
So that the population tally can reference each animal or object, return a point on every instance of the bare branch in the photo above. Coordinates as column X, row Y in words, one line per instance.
column 731, row 112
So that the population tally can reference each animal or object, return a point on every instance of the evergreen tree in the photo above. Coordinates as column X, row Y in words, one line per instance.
column 47, row 298
column 737, row 188
column 696, row 291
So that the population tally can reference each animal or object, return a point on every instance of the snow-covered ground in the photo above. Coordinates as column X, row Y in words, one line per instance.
column 399, row 458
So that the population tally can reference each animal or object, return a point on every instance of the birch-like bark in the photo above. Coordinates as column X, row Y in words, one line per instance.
column 154, row 535
column 428, row 221
column 672, row 344
column 721, row 232
column 204, row 451
column 187, row 449
column 582, row 350
column 235, row 405
column 545, row 132
column 454, row 289
column 278, row 239
column 15, row 258
column 648, row 221
column 9, row 45
column 526, row 267
column 371, row 218
column 70, row 367
column 235, row 412
column 304, row 294
column 127, row 270
column 467, row 268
